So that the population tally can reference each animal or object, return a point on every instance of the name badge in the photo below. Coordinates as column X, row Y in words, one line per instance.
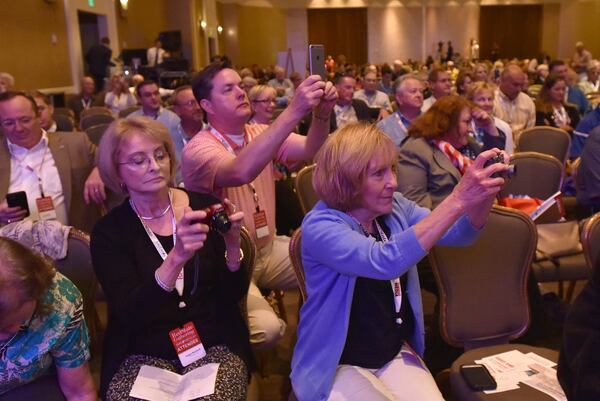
column 260, row 224
column 45, row 208
column 187, row 344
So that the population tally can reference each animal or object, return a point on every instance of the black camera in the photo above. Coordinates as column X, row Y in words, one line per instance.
column 217, row 218
column 499, row 158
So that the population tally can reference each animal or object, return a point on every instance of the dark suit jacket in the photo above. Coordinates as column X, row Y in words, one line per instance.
column 74, row 156
column 362, row 110
column 98, row 59
column 74, row 103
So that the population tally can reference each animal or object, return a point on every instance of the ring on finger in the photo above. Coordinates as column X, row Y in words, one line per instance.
column 7, row 221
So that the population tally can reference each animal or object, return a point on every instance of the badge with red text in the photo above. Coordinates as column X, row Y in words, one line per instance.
column 187, row 344
column 45, row 208
column 260, row 224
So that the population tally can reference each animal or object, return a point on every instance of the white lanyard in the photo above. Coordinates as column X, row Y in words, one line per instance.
column 30, row 168
column 218, row 136
column 396, row 285
column 159, row 248
column 86, row 105
column 561, row 116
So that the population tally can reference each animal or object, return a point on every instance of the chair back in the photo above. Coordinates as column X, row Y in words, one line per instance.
column 64, row 122
column 95, row 133
column 128, row 110
column 304, row 189
column 249, row 248
column 483, row 287
column 95, row 119
column 548, row 140
column 95, row 110
column 296, row 259
column 590, row 240
column 77, row 267
column 64, row 111
column 536, row 174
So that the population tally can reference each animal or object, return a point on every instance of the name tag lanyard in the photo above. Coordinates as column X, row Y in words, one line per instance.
column 231, row 146
column 31, row 169
column 179, row 283
column 396, row 285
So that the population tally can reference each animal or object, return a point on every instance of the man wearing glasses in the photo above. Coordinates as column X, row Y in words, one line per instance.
column 56, row 171
column 190, row 113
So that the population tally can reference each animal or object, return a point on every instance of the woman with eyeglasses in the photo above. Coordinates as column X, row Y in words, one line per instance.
column 166, row 276
column 41, row 329
column 262, row 99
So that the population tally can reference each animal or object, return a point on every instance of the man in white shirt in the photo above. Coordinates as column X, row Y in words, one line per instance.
column 372, row 97
column 511, row 104
column 440, row 84
column 591, row 83
column 56, row 171
column 156, row 54
column 409, row 97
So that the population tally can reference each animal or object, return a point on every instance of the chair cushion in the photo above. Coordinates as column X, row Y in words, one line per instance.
column 572, row 267
column 462, row 392
column 45, row 388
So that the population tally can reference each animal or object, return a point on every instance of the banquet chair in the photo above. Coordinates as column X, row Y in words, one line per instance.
column 95, row 110
column 95, row 119
column 64, row 123
column 483, row 298
column 304, row 189
column 548, row 140
column 128, row 110
column 95, row 133
column 296, row 259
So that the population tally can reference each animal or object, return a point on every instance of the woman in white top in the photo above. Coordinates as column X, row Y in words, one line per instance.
column 119, row 97
column 482, row 94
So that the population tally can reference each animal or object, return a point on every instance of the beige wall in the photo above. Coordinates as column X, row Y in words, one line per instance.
column 578, row 21
column 394, row 33
column 550, row 31
column 28, row 53
column 145, row 19
column 253, row 34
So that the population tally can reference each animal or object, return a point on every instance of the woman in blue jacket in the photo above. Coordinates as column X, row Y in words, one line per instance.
column 361, row 332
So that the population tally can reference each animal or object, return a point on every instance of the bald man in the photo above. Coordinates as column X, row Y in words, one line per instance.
column 511, row 104
column 86, row 98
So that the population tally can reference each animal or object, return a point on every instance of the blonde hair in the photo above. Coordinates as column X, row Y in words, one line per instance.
column 342, row 163
column 26, row 274
column 257, row 90
column 480, row 86
column 118, row 131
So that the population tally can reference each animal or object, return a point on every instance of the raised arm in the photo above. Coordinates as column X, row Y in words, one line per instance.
column 255, row 156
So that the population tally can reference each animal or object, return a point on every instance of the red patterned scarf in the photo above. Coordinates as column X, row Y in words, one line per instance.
column 459, row 161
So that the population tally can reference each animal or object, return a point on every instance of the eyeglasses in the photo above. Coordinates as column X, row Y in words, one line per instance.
column 141, row 161
column 264, row 101
column 9, row 124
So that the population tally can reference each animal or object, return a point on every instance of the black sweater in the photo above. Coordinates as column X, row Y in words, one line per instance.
column 141, row 314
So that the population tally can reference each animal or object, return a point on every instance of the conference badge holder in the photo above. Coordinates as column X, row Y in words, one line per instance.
column 187, row 344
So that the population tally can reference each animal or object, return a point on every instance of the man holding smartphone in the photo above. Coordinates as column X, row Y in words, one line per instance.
column 235, row 160
column 56, row 171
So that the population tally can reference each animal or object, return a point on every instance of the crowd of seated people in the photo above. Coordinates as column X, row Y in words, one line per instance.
column 400, row 154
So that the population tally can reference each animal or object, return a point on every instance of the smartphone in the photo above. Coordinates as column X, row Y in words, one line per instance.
column 316, row 57
column 19, row 199
column 478, row 377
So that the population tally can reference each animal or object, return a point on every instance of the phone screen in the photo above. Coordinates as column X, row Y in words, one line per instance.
column 478, row 377
column 316, row 56
column 19, row 199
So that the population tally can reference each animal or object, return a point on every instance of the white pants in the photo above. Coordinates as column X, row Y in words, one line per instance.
column 405, row 378
column 273, row 270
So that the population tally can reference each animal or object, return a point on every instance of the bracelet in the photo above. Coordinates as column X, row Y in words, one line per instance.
column 234, row 261
column 324, row 119
column 161, row 284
